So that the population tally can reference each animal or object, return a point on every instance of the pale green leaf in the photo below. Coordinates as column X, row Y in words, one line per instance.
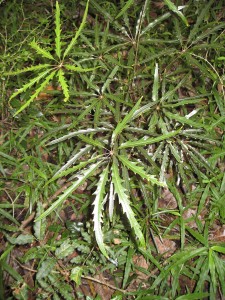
column 30, row 83
column 98, row 207
column 41, row 51
column 81, row 179
column 74, row 40
column 45, row 268
column 40, row 226
column 65, row 249
column 22, row 239
column 139, row 170
column 148, row 141
column 76, row 274
column 125, row 203
column 57, row 30
column 64, row 85
column 155, row 89
column 28, row 69
column 184, row 120
column 36, row 93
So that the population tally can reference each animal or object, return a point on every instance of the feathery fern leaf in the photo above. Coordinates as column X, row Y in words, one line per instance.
column 73, row 41
column 64, row 85
column 139, row 170
column 98, row 207
column 41, row 51
column 57, row 30
column 125, row 202
column 79, row 69
column 174, row 9
column 81, row 179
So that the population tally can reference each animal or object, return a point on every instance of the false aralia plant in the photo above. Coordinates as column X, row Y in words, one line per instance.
column 58, row 64
column 110, row 164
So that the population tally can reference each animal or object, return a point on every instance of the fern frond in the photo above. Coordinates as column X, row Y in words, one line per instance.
column 98, row 207
column 28, row 69
column 57, row 31
column 139, row 170
column 125, row 202
column 81, row 179
column 90, row 141
column 41, row 87
column 41, row 51
column 74, row 40
column 29, row 84
column 64, row 85
column 144, row 141
column 121, row 125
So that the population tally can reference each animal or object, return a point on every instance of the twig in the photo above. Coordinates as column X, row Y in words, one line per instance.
column 104, row 283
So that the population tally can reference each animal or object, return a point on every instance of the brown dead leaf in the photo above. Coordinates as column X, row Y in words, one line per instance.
column 165, row 247
column 167, row 200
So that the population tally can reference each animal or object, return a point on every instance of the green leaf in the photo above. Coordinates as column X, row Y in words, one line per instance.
column 184, row 120
column 40, row 226
column 139, row 170
column 125, row 8
column 45, row 268
column 98, row 207
column 121, row 125
column 218, row 249
column 65, row 249
column 81, row 179
column 127, row 270
column 194, row 296
column 144, row 142
column 76, row 274
column 79, row 69
column 22, row 239
column 36, row 93
column 74, row 40
column 30, row 83
column 174, row 9
column 64, row 85
column 57, row 31
column 197, row 235
column 155, row 89
column 125, row 203
column 41, row 51
column 28, row 69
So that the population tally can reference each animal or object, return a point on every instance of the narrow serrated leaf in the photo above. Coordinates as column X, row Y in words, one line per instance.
column 28, row 69
column 41, row 51
column 125, row 203
column 121, row 125
column 139, row 170
column 62, row 81
column 148, row 141
column 98, row 207
column 81, row 178
column 74, row 40
column 174, row 9
column 57, row 31
column 41, row 87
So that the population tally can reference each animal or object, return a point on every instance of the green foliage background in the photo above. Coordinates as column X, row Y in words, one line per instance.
column 105, row 107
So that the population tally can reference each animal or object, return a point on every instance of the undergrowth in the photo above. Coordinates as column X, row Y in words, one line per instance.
column 112, row 150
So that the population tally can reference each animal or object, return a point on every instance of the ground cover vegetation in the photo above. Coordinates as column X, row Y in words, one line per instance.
column 112, row 180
